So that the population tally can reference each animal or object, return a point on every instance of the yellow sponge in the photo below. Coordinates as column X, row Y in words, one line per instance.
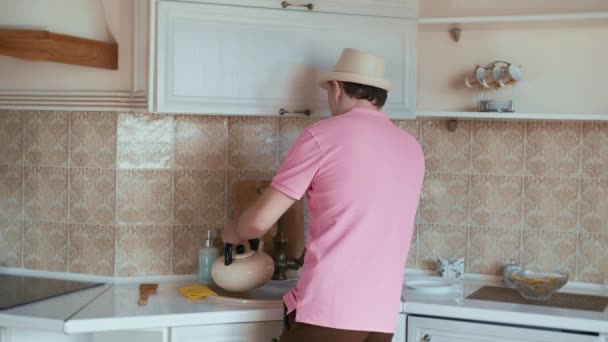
column 196, row 291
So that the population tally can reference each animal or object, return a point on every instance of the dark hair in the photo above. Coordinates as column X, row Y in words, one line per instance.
column 373, row 94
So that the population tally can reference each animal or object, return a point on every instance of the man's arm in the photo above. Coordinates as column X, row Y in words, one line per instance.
column 258, row 218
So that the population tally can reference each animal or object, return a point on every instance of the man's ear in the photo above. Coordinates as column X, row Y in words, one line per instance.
column 338, row 90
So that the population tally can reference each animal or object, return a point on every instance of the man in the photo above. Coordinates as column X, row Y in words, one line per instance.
column 362, row 177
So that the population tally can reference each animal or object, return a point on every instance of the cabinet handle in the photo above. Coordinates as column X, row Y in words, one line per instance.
column 426, row 338
column 284, row 111
column 286, row 4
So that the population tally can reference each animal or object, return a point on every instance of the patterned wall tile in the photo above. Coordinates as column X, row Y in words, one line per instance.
column 549, row 251
column 496, row 201
column 553, row 149
column 92, row 249
column 594, row 210
column 10, row 243
column 93, row 139
column 92, row 196
column 412, row 256
column 46, row 193
column 252, row 144
column 187, row 240
column 289, row 131
column 145, row 141
column 11, row 192
column 445, row 199
column 46, row 138
column 45, row 246
column 595, row 150
column 440, row 241
column 498, row 147
column 143, row 250
column 200, row 197
column 446, row 151
column 234, row 177
column 144, row 197
column 491, row 248
column 551, row 203
column 410, row 126
column 592, row 262
column 11, row 137
column 200, row 142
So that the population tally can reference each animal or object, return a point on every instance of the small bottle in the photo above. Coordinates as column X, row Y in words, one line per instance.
column 206, row 258
column 511, row 267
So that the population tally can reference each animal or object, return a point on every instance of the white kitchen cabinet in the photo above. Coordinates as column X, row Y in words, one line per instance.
column 421, row 329
column 387, row 8
column 250, row 332
column 218, row 59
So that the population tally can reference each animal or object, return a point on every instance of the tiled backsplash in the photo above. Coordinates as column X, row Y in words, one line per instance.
column 132, row 194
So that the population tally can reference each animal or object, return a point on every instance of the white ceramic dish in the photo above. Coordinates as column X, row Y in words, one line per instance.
column 433, row 286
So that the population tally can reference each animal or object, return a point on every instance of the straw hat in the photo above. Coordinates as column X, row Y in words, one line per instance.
column 358, row 67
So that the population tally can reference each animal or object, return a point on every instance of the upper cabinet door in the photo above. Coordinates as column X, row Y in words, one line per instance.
column 386, row 8
column 255, row 61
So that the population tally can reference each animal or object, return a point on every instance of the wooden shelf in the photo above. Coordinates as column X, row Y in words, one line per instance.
column 505, row 22
column 511, row 116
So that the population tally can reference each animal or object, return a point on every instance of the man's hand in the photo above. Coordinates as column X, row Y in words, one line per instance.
column 230, row 235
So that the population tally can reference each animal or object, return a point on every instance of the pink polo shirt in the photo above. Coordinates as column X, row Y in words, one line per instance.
column 362, row 176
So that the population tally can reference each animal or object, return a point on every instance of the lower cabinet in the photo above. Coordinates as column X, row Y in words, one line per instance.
column 422, row 329
column 250, row 332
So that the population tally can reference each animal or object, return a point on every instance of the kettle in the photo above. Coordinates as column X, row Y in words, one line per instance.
column 240, row 270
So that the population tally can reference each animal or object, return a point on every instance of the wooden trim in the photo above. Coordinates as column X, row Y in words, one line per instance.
column 39, row 45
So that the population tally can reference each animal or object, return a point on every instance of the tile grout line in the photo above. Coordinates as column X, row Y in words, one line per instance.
column 579, row 202
column 522, row 218
column 416, row 225
column 173, row 170
column 226, row 185
column 69, row 162
column 116, row 176
column 22, row 262
column 470, row 195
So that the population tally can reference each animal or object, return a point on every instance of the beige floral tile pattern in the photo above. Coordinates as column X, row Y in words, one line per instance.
column 592, row 262
column 551, row 203
column 93, row 139
column 446, row 151
column 496, row 201
column 92, row 196
column 445, row 199
column 412, row 256
column 45, row 246
column 438, row 241
column 410, row 126
column 549, row 251
column 91, row 249
column 200, row 142
column 11, row 137
column 594, row 207
column 10, row 243
column 498, row 147
column 145, row 197
column 200, row 197
column 252, row 144
column 145, row 141
column 595, row 150
column 491, row 248
column 11, row 191
column 46, row 193
column 46, row 138
column 143, row 250
column 289, row 131
column 553, row 149
column 187, row 240
column 240, row 175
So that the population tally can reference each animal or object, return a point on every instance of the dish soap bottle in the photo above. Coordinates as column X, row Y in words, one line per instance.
column 206, row 258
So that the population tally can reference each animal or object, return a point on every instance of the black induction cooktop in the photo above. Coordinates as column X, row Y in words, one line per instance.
column 21, row 290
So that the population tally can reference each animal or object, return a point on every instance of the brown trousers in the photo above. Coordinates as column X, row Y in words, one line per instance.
column 301, row 332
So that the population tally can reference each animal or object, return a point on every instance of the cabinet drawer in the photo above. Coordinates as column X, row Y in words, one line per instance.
column 242, row 332
column 254, row 61
column 421, row 329
column 387, row 8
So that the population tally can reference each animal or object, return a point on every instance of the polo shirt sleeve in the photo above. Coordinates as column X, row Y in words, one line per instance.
column 300, row 167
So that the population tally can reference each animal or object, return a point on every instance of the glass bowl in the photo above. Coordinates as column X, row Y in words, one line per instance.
column 538, row 285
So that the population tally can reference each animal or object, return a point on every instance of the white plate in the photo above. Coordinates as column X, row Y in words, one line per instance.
column 438, row 286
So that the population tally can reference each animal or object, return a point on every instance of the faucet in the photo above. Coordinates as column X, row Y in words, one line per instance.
column 282, row 263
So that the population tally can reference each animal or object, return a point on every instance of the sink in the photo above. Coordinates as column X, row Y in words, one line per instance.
column 267, row 296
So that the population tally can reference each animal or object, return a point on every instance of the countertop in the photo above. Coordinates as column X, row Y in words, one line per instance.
column 114, row 307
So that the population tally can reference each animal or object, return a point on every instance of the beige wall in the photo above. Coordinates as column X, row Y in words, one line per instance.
column 472, row 8
column 131, row 194
column 564, row 68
